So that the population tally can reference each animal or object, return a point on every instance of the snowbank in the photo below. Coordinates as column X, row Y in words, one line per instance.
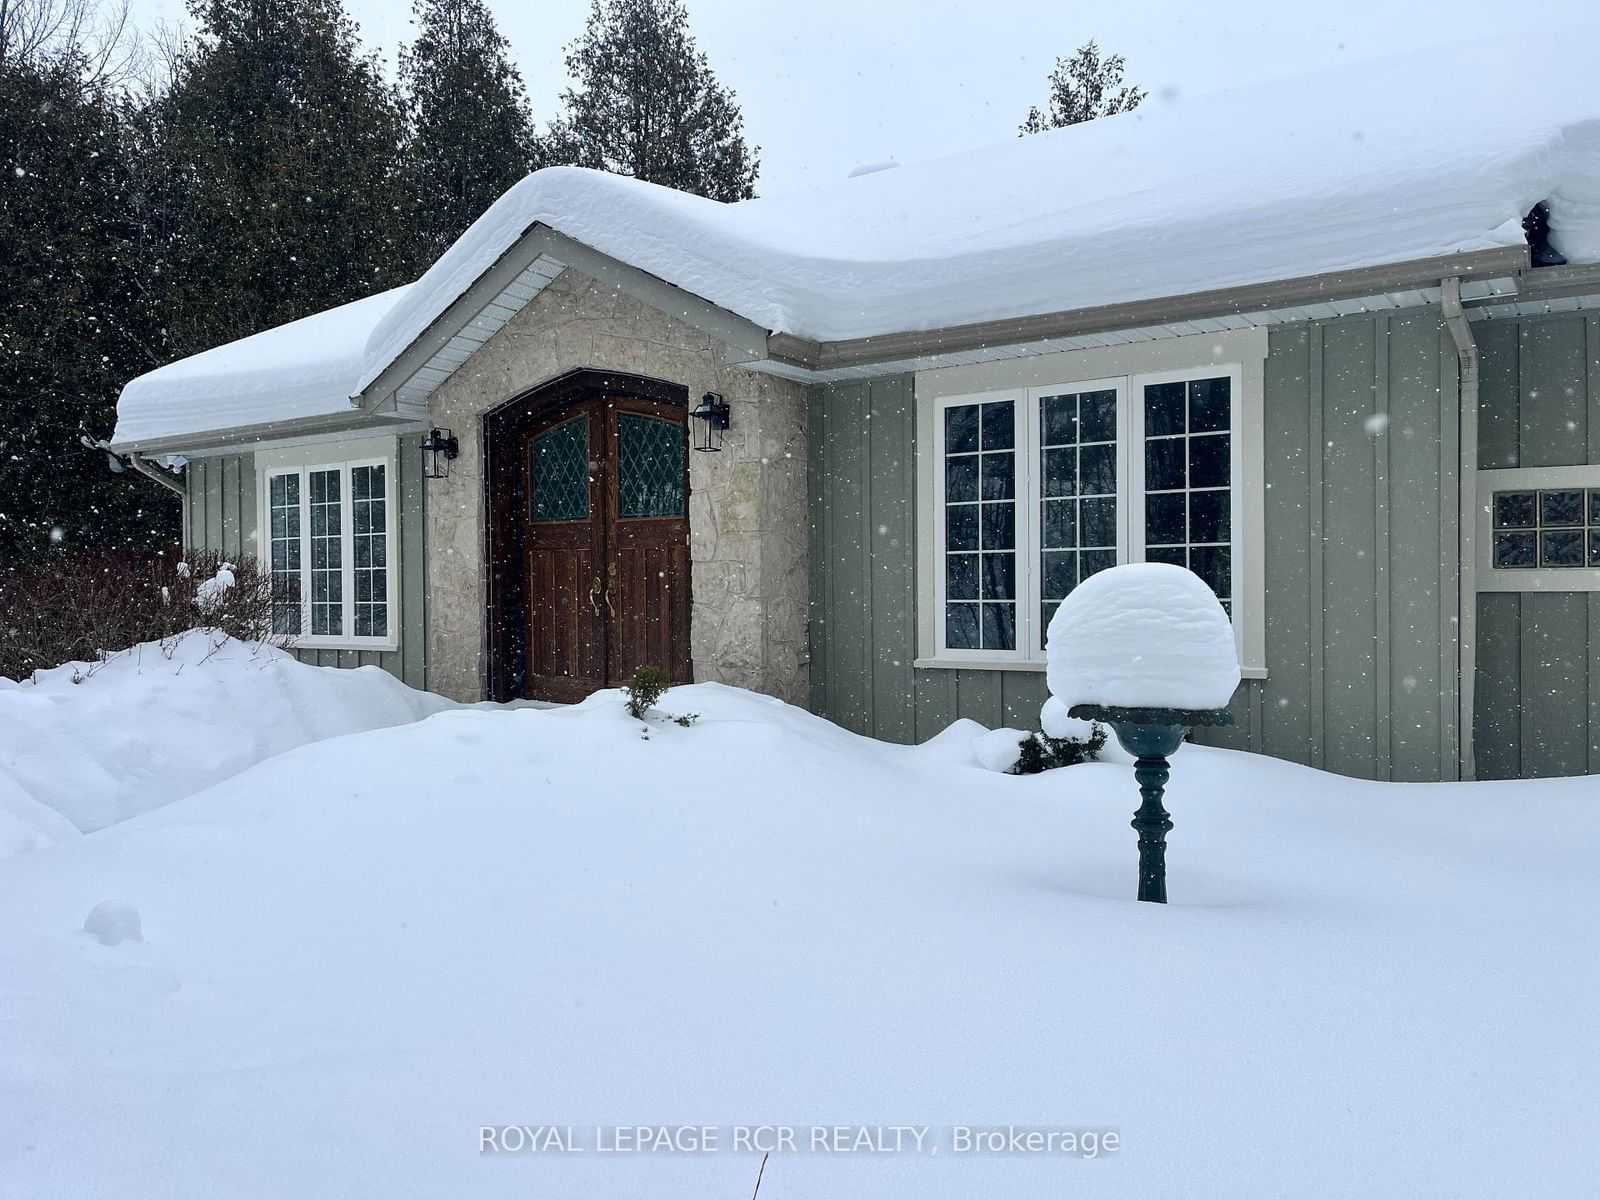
column 1404, row 158
column 358, row 954
column 25, row 824
column 157, row 723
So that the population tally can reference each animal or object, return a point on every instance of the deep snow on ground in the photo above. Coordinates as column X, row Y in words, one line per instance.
column 354, row 955
column 88, row 744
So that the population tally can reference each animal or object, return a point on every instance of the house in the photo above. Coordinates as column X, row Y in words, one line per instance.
column 1331, row 342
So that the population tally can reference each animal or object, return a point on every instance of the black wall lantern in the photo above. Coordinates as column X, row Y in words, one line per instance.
column 712, row 414
column 438, row 448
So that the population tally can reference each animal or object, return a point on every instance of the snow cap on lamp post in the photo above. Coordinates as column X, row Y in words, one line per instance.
column 1148, row 649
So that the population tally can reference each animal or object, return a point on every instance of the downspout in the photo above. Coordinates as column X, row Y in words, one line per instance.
column 150, row 471
column 1455, row 319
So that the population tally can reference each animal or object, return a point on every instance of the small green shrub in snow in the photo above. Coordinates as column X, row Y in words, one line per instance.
column 647, row 686
column 1040, row 752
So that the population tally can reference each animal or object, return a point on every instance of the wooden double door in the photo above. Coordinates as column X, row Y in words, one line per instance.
column 605, row 544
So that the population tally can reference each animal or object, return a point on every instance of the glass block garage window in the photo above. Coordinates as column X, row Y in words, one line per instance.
column 980, row 494
column 1187, row 485
column 1552, row 527
column 283, row 551
column 1077, row 492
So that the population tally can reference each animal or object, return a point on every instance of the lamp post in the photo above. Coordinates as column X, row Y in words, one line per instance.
column 1151, row 735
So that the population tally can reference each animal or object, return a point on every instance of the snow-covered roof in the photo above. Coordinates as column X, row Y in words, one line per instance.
column 1402, row 159
column 306, row 368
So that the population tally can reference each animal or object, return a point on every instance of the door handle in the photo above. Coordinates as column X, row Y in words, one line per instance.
column 611, row 582
column 594, row 596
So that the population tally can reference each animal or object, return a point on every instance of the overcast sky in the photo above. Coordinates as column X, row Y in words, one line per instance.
column 826, row 86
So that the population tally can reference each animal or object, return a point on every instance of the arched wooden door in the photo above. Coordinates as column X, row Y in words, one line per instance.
column 604, row 542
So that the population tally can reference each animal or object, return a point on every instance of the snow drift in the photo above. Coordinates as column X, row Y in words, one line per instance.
column 89, row 744
column 358, row 954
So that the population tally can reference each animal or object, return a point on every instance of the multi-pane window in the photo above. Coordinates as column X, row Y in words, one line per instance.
column 1077, row 492
column 980, row 496
column 327, row 555
column 329, row 543
column 1552, row 527
column 369, row 509
column 283, row 552
column 1188, row 498
column 1041, row 487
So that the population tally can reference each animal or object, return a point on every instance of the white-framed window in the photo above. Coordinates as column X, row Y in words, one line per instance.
column 328, row 522
column 1028, row 490
column 1538, row 529
column 1187, row 482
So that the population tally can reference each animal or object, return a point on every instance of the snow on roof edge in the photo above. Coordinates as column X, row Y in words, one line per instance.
column 1360, row 166
column 289, row 372
column 1356, row 166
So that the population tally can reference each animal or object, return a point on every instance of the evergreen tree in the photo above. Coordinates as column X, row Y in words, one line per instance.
column 74, row 321
column 275, row 186
column 646, row 104
column 472, row 133
column 1082, row 88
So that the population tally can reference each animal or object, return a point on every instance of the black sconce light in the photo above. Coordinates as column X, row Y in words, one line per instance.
column 438, row 448
column 712, row 414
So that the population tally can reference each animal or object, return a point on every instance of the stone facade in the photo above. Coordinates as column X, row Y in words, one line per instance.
column 748, row 542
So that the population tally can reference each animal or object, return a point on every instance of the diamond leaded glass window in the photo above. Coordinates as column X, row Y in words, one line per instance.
column 650, row 467
column 559, row 461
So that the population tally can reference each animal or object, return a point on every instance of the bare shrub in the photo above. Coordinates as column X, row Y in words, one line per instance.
column 84, row 606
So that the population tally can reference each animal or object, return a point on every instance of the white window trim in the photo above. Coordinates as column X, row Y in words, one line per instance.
column 1240, row 354
column 1531, row 579
column 343, row 457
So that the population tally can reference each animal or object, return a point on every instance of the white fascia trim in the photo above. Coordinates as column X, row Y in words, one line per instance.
column 1242, row 350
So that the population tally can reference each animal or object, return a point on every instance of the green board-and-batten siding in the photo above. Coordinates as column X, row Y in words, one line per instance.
column 1360, row 454
column 1538, row 653
column 223, row 516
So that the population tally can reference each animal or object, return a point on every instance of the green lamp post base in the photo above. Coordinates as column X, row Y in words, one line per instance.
column 1151, row 735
